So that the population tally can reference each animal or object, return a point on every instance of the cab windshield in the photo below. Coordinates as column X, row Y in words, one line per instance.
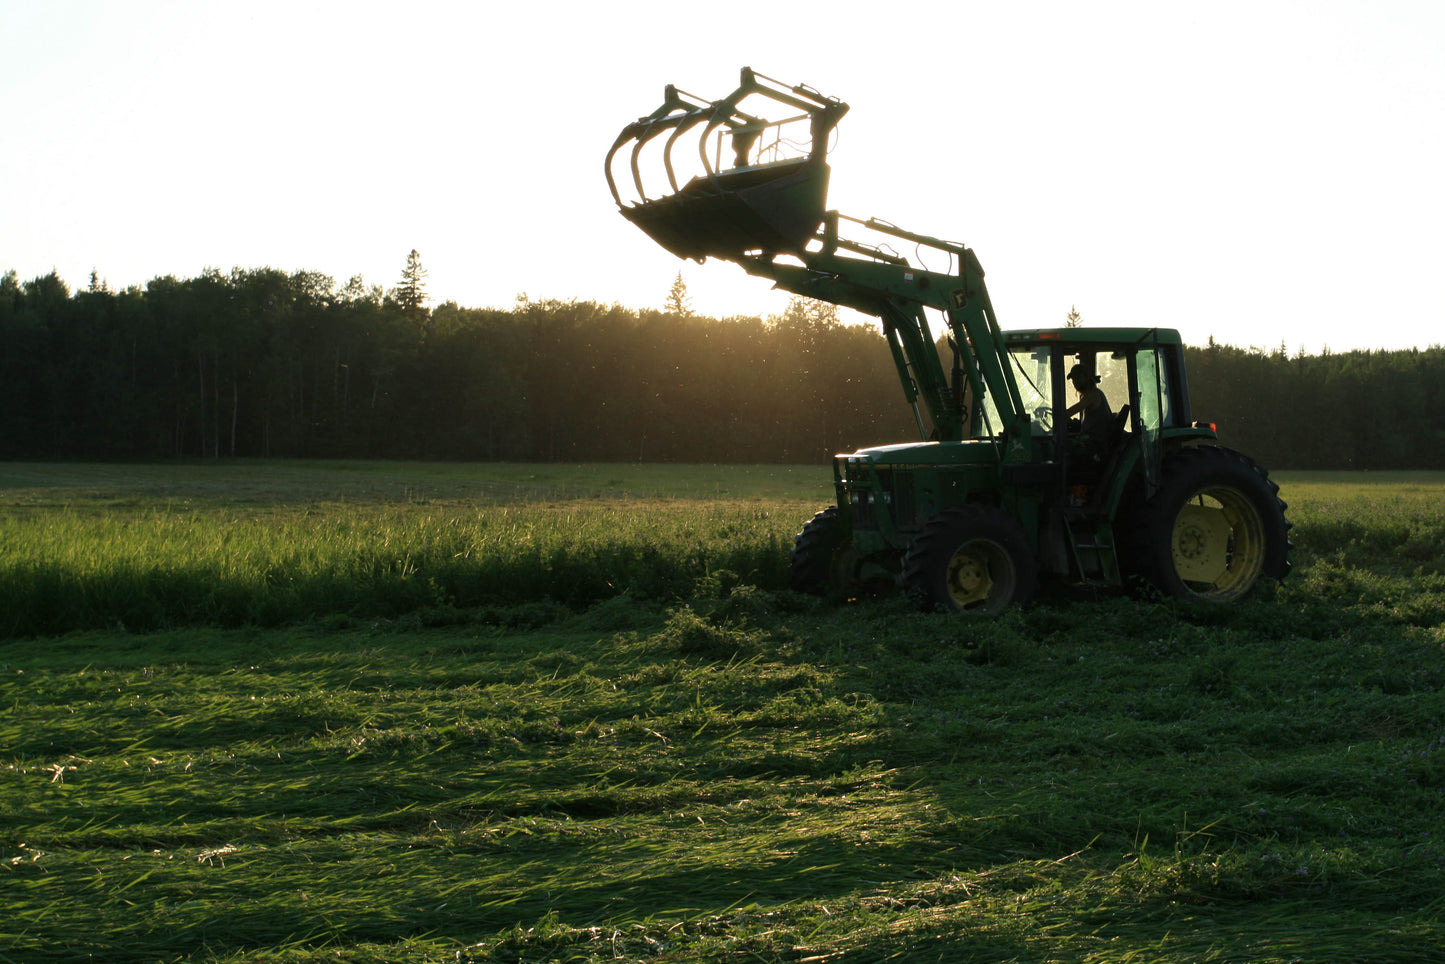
column 1031, row 366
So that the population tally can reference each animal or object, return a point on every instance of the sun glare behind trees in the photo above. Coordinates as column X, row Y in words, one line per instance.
column 262, row 363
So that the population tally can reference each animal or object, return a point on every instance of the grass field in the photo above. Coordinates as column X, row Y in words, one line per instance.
column 382, row 712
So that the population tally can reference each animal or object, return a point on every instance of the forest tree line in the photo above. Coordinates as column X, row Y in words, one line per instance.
column 262, row 363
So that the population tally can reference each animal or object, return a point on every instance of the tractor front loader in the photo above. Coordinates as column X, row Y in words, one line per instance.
column 1010, row 484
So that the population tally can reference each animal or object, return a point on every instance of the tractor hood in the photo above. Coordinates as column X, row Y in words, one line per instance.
column 925, row 453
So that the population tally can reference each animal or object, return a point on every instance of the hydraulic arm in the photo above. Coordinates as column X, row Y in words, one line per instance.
column 757, row 197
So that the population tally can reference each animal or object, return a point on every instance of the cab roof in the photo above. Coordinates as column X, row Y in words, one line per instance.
column 1093, row 336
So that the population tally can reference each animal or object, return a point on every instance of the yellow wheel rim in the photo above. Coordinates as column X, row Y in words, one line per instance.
column 1218, row 544
column 980, row 573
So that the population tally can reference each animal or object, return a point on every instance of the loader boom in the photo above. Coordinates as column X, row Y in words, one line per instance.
column 767, row 213
column 872, row 281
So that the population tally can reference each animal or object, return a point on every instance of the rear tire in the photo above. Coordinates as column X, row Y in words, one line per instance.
column 1213, row 531
column 970, row 559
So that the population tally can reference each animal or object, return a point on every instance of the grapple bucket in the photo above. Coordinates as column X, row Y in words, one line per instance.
column 759, row 185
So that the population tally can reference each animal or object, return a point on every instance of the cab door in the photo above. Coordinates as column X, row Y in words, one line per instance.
column 1150, row 389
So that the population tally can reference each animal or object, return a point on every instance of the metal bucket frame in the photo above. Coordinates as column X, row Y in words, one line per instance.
column 751, row 205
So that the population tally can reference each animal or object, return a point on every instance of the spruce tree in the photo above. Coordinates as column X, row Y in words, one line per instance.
column 678, row 302
column 410, row 295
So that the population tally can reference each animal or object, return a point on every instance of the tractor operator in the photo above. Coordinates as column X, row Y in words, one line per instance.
column 1092, row 408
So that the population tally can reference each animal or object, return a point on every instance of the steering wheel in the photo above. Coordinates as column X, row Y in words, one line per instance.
column 1044, row 415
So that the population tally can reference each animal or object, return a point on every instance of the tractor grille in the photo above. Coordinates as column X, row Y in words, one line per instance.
column 865, row 512
column 891, row 497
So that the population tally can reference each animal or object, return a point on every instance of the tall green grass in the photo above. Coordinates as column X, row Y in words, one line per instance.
column 139, row 550
column 152, row 547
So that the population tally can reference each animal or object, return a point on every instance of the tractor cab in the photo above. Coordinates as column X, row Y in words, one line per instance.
column 1139, row 391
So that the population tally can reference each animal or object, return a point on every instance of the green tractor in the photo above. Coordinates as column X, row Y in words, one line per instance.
column 1063, row 454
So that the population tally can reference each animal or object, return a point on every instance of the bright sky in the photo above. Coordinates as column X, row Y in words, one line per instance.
column 1263, row 171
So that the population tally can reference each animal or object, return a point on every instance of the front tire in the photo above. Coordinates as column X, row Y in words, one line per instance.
column 821, row 560
column 1214, row 529
column 970, row 559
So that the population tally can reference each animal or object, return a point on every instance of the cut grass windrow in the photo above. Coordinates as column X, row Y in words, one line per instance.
column 458, row 790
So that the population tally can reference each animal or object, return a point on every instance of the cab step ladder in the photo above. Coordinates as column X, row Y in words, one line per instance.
column 1091, row 542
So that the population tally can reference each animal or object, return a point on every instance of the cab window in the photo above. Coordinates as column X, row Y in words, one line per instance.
column 1032, row 368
